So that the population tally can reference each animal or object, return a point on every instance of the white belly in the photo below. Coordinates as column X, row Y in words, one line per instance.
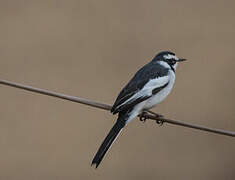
column 154, row 100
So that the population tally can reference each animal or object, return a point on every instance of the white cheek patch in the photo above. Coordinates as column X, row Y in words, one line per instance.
column 170, row 56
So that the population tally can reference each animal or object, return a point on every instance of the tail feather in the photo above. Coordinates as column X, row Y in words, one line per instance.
column 108, row 141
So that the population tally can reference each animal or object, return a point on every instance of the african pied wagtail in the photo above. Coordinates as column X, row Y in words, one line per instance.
column 150, row 86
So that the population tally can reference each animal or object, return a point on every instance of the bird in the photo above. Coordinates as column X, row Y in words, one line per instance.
column 149, row 86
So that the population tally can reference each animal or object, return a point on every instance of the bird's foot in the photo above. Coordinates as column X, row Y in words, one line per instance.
column 159, row 117
column 160, row 122
column 143, row 117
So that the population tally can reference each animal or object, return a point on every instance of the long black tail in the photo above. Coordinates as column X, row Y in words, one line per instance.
column 108, row 141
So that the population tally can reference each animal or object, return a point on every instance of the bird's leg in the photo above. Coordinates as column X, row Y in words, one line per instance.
column 156, row 114
column 143, row 117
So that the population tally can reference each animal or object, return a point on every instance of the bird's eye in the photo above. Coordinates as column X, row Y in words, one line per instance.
column 173, row 61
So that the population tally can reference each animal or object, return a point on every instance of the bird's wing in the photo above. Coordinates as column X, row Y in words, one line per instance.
column 147, row 81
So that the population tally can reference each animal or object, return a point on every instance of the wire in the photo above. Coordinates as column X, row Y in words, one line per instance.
column 147, row 115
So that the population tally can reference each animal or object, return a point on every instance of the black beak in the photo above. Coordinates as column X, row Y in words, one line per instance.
column 181, row 60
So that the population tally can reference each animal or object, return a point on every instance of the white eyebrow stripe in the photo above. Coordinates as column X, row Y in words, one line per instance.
column 170, row 56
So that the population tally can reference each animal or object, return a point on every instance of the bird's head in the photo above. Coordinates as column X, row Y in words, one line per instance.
column 169, row 59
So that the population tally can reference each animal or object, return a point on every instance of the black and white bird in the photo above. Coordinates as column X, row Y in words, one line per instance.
column 149, row 86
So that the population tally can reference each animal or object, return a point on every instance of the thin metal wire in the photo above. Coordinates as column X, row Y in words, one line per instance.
column 150, row 115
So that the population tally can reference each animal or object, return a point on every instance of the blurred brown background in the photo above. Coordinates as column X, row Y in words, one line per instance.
column 91, row 49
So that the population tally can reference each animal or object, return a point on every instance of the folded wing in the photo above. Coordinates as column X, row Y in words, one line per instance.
column 148, row 81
